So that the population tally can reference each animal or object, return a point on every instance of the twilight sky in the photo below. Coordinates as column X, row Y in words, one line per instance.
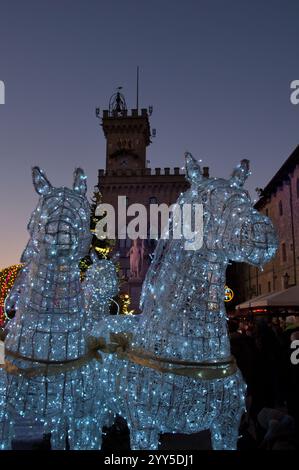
column 217, row 73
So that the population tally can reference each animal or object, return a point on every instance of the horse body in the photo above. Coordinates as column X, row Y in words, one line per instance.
column 190, row 328
column 49, row 326
column 184, row 319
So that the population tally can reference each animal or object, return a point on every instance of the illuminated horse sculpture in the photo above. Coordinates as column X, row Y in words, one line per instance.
column 49, row 377
column 174, row 372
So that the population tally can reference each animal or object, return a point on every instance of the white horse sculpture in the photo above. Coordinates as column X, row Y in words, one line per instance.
column 49, row 375
column 174, row 372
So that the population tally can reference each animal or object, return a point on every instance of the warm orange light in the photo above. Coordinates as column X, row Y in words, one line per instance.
column 7, row 278
column 228, row 294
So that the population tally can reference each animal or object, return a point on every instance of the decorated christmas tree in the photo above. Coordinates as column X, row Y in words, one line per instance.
column 7, row 278
column 105, row 249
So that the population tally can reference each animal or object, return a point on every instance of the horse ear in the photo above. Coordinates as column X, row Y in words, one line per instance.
column 240, row 173
column 40, row 182
column 80, row 181
column 193, row 171
column 27, row 253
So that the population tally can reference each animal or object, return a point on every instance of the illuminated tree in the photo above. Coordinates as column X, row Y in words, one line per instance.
column 104, row 249
column 7, row 278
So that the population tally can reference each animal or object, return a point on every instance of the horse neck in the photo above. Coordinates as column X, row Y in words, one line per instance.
column 50, row 287
column 186, row 307
column 197, row 284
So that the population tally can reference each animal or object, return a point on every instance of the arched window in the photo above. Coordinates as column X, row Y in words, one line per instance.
column 153, row 200
column 280, row 208
column 269, row 286
column 283, row 252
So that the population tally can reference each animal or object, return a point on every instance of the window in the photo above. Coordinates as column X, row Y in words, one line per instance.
column 122, row 243
column 285, row 280
column 260, row 289
column 283, row 252
column 280, row 208
column 269, row 286
column 153, row 200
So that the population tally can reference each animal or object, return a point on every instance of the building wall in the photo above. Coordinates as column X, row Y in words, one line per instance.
column 286, row 260
column 250, row 281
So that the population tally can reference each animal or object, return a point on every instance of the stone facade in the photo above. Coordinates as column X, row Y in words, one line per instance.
column 280, row 201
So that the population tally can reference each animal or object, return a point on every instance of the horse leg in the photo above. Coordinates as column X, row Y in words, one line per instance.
column 6, row 431
column 225, row 432
column 85, row 434
column 144, row 439
column 6, row 425
column 57, row 427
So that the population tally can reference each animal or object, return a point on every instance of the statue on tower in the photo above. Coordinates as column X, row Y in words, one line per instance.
column 138, row 259
column 117, row 103
column 135, row 260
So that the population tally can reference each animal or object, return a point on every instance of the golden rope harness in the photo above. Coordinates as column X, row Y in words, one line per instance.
column 120, row 345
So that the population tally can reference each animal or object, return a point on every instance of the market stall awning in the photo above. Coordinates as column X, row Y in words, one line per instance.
column 284, row 298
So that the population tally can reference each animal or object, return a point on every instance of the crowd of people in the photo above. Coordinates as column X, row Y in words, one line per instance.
column 262, row 348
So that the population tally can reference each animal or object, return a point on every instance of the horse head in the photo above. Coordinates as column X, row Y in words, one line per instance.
column 232, row 228
column 60, row 225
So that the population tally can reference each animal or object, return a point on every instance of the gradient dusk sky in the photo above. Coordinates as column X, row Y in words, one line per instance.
column 217, row 73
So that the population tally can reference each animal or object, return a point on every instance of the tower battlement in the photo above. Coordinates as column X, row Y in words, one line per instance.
column 170, row 172
column 133, row 113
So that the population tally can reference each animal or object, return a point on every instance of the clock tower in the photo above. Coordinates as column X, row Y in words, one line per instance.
column 127, row 135
column 128, row 174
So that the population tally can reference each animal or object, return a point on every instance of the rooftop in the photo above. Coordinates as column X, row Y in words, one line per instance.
column 281, row 175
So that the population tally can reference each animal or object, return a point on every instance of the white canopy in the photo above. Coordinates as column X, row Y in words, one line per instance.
column 287, row 297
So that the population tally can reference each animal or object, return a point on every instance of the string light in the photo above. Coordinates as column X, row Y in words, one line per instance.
column 126, row 302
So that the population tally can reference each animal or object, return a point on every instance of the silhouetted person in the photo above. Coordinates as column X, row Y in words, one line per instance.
column 292, row 381
column 244, row 350
column 268, row 370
